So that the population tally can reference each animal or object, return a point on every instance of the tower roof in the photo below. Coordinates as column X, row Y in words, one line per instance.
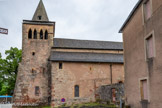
column 40, row 13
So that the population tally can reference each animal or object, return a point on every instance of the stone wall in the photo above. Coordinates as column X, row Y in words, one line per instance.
column 105, row 92
column 89, row 77
column 89, row 50
column 34, row 69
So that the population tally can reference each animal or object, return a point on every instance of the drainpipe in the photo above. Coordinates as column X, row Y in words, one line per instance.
column 111, row 73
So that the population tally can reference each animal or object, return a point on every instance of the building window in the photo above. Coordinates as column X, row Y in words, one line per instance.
column 144, row 89
column 120, row 81
column 60, row 65
column 147, row 9
column 90, row 68
column 149, row 46
column 39, row 17
column 33, row 53
column 41, row 34
column 33, row 71
column 35, row 34
column 76, row 91
column 30, row 34
column 46, row 34
column 37, row 90
column 113, row 93
column 43, row 71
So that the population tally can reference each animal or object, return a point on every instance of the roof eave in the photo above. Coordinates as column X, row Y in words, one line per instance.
column 130, row 15
column 81, row 61
column 86, row 48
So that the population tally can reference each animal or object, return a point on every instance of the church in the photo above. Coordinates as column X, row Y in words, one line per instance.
column 55, row 71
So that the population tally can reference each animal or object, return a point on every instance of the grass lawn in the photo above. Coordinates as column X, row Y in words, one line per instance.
column 88, row 105
column 85, row 105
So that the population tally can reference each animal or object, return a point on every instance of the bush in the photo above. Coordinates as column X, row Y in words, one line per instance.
column 127, row 106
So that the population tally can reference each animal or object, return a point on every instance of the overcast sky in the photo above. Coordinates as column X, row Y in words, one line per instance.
column 76, row 19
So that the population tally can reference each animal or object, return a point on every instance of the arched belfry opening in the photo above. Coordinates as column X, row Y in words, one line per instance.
column 41, row 34
column 30, row 34
column 35, row 34
column 46, row 35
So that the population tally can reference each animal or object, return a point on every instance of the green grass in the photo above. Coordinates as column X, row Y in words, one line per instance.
column 91, row 104
column 47, row 107
column 87, row 105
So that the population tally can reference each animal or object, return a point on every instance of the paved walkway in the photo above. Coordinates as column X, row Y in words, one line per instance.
column 5, row 105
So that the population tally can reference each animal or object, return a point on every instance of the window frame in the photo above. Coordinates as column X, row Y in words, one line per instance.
column 76, row 95
column 33, row 53
column 144, row 10
column 30, row 34
column 46, row 35
column 60, row 65
column 37, row 90
column 39, row 17
column 41, row 34
column 145, row 45
column 113, row 94
column 140, row 89
column 35, row 34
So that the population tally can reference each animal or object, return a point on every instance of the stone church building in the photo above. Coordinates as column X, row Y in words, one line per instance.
column 56, row 70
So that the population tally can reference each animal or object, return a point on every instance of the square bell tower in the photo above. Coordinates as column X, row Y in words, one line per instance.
column 33, row 78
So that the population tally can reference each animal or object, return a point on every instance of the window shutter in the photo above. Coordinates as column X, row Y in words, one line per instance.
column 147, row 9
column 150, row 49
column 145, row 96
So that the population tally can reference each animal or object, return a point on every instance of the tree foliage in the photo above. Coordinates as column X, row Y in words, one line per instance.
column 8, row 70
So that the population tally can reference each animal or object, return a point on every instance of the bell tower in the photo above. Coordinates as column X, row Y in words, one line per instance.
column 33, row 78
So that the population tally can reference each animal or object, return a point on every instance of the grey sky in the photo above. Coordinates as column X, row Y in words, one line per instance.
column 77, row 19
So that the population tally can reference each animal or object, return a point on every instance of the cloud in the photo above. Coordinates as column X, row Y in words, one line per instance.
column 78, row 19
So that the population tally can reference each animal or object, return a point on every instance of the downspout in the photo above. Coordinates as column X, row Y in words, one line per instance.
column 111, row 73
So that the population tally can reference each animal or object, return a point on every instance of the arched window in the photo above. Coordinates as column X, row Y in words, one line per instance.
column 46, row 34
column 30, row 34
column 76, row 90
column 41, row 34
column 35, row 34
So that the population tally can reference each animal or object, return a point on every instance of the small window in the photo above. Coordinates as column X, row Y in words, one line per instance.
column 46, row 34
column 39, row 17
column 144, row 89
column 76, row 90
column 33, row 71
column 43, row 70
column 147, row 9
column 35, row 34
column 90, row 68
column 113, row 92
column 41, row 34
column 149, row 47
column 33, row 53
column 120, row 82
column 37, row 90
column 60, row 65
column 30, row 34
